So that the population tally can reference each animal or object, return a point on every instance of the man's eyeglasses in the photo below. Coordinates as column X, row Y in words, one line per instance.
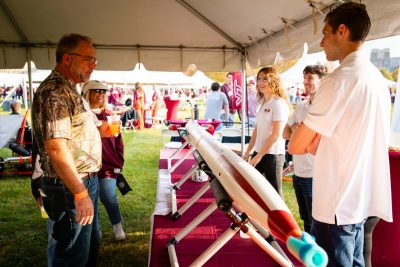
column 86, row 58
column 99, row 91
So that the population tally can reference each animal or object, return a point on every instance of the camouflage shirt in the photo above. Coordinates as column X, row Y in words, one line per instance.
column 58, row 112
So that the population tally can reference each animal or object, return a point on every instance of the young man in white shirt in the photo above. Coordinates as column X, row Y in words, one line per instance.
column 303, row 164
column 347, row 128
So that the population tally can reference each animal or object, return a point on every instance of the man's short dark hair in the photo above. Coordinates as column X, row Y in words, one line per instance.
column 68, row 43
column 320, row 70
column 354, row 16
column 215, row 86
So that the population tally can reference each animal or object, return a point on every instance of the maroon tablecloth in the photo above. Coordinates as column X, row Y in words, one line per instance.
column 386, row 236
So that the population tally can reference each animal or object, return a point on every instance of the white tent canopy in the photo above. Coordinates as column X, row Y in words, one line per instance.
column 171, row 34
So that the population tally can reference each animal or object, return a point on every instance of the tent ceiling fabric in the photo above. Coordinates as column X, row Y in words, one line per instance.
column 169, row 35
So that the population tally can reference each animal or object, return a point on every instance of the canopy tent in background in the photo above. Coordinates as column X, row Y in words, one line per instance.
column 201, row 80
column 8, row 79
column 294, row 75
column 15, row 77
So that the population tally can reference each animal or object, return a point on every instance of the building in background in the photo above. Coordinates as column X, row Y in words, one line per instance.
column 381, row 59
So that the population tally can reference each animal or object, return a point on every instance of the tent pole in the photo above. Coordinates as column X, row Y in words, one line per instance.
column 29, row 62
column 244, row 100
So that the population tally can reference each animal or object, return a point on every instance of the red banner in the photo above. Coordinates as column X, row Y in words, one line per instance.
column 237, row 90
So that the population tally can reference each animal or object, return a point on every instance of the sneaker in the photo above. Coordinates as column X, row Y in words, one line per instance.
column 119, row 232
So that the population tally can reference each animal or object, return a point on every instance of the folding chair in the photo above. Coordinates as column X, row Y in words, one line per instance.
column 130, row 120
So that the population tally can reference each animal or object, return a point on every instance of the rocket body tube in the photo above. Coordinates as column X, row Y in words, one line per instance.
column 252, row 193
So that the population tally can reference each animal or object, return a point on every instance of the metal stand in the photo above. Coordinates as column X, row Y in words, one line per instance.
column 239, row 222
column 187, row 175
column 172, row 168
column 200, row 165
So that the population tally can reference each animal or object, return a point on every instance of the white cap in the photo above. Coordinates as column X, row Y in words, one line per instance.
column 93, row 85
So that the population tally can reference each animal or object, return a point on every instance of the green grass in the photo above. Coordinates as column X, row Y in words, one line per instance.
column 23, row 232
column 23, row 237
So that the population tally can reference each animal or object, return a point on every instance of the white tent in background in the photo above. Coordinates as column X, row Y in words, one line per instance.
column 200, row 79
column 138, row 74
column 294, row 76
column 7, row 79
column 112, row 76
column 144, row 76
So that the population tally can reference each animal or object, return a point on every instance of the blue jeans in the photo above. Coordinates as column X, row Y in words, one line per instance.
column 303, row 189
column 76, row 245
column 51, row 243
column 271, row 167
column 108, row 197
column 231, row 119
column 342, row 243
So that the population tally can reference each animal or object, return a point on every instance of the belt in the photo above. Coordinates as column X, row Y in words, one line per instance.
column 51, row 180
column 87, row 175
column 56, row 180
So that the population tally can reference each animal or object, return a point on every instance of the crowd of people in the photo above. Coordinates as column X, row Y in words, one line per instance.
column 346, row 114
column 16, row 93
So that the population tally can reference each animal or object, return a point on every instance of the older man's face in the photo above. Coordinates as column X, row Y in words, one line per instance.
column 83, row 62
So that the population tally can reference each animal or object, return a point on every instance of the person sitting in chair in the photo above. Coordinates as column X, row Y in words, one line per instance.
column 15, row 107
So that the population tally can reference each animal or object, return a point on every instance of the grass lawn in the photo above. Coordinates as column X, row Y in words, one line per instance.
column 23, row 237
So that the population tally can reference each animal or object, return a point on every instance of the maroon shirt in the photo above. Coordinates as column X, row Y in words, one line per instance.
column 112, row 153
column 226, row 89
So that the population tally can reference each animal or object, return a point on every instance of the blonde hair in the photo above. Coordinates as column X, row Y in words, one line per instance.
column 102, row 105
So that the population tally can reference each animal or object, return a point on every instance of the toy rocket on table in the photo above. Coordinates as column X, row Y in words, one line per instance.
column 252, row 193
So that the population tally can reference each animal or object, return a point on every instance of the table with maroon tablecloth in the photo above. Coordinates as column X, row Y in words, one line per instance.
column 386, row 236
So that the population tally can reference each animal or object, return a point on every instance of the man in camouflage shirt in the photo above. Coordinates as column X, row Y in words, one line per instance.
column 67, row 148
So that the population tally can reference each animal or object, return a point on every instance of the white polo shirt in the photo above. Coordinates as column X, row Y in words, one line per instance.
column 351, row 111
column 303, row 164
column 276, row 109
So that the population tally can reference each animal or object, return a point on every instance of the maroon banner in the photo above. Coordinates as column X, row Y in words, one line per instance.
column 237, row 90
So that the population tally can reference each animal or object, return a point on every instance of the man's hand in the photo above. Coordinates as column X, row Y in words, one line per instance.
column 84, row 211
column 301, row 140
column 64, row 165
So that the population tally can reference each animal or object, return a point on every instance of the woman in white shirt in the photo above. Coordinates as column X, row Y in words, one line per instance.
column 271, row 117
